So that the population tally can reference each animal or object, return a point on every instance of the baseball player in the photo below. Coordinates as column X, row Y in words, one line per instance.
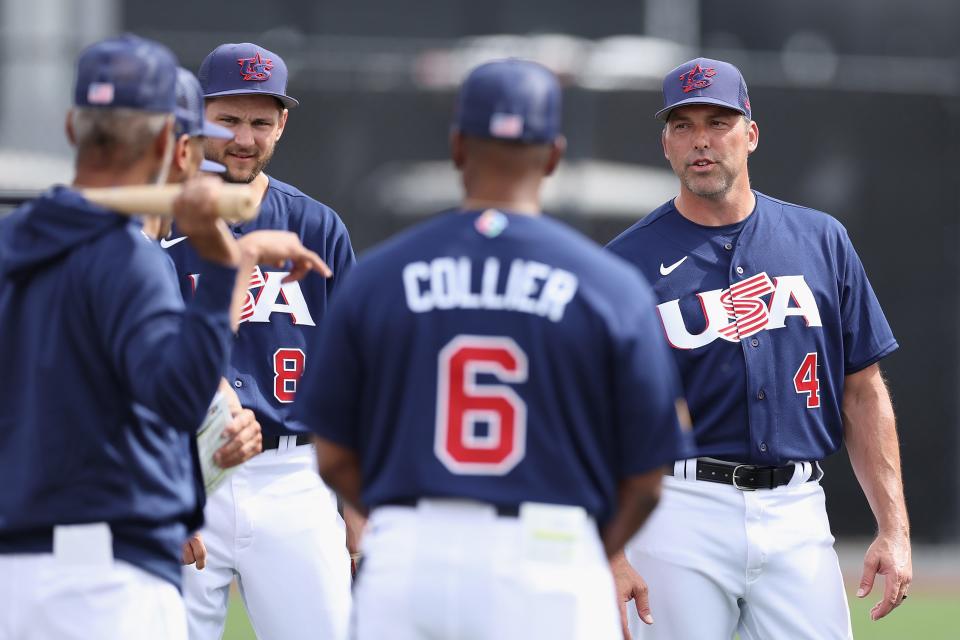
column 273, row 525
column 104, row 375
column 243, row 437
column 502, row 390
column 777, row 334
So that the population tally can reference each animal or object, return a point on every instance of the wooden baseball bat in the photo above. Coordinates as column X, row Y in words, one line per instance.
column 237, row 202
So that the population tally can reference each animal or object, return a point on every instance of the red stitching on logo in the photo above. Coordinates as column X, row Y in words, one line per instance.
column 697, row 78
column 255, row 68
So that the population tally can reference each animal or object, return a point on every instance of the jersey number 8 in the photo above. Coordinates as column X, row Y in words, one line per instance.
column 287, row 369
column 481, row 428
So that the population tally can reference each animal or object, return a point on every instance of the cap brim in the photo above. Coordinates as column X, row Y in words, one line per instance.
column 209, row 166
column 211, row 130
column 287, row 101
column 665, row 112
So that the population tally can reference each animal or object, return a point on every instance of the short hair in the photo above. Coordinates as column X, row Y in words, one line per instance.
column 114, row 137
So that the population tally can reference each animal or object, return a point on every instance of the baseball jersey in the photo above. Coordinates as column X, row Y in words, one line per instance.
column 277, row 319
column 104, row 378
column 496, row 357
column 765, row 317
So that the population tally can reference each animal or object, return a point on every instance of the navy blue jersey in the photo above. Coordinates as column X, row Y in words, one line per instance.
column 502, row 358
column 277, row 319
column 765, row 318
column 104, row 378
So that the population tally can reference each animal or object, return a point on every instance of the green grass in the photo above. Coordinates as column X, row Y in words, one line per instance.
column 925, row 616
column 238, row 627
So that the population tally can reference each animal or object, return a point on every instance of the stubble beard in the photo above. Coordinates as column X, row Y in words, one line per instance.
column 711, row 187
column 247, row 177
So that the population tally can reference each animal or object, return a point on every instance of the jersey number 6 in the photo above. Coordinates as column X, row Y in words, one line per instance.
column 806, row 381
column 481, row 428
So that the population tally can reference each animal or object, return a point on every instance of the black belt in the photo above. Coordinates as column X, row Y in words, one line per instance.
column 273, row 442
column 748, row 477
column 506, row 511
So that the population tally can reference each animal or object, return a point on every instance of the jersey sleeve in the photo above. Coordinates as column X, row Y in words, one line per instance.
column 867, row 336
column 341, row 254
column 170, row 358
column 328, row 401
column 648, row 395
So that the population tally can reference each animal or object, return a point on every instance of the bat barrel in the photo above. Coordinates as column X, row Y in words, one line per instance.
column 236, row 203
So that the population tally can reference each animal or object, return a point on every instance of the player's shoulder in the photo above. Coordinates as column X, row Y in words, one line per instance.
column 798, row 215
column 285, row 199
column 417, row 241
column 643, row 230
column 60, row 222
column 586, row 256
column 537, row 237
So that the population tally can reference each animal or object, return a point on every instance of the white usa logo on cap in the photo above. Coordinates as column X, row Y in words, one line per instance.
column 506, row 125
column 100, row 93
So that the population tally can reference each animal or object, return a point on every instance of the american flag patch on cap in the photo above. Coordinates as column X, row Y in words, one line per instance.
column 506, row 125
column 100, row 93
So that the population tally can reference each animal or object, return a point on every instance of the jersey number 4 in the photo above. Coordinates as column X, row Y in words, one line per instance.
column 806, row 381
column 481, row 427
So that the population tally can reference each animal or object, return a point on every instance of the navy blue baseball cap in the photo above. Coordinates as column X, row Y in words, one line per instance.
column 126, row 72
column 510, row 99
column 705, row 81
column 245, row 69
column 190, row 112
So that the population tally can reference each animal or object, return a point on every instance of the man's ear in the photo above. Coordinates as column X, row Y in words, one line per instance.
column 557, row 150
column 283, row 123
column 753, row 137
column 68, row 129
column 457, row 151
column 181, row 153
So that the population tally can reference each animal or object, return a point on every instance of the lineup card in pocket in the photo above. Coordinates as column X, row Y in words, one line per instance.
column 551, row 533
column 209, row 439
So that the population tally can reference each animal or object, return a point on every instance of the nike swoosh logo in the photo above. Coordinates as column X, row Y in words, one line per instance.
column 166, row 244
column 665, row 271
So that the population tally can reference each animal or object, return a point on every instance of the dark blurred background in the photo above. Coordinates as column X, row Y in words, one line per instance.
column 857, row 104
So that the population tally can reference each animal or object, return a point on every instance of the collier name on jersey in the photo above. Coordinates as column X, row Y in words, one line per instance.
column 741, row 311
column 450, row 283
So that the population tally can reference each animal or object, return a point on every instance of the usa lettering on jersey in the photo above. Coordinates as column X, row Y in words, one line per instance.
column 268, row 294
column 447, row 283
column 741, row 311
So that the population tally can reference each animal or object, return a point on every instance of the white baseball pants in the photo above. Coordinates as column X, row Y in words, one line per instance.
column 759, row 563
column 43, row 596
column 456, row 570
column 274, row 525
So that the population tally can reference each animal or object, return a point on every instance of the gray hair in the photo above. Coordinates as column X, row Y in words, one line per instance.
column 114, row 137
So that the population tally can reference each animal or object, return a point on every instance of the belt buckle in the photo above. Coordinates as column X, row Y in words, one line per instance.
column 734, row 478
